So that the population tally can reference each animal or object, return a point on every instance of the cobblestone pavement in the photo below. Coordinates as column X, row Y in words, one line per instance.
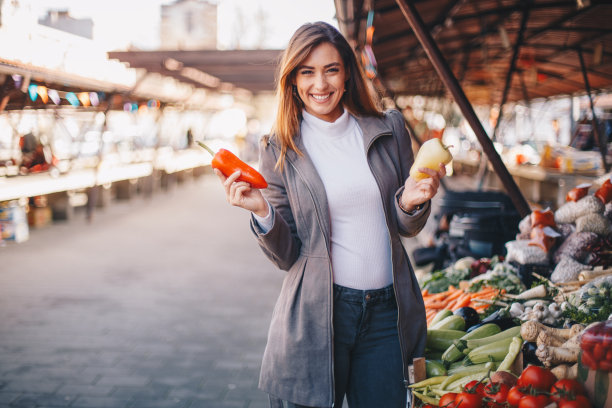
column 159, row 302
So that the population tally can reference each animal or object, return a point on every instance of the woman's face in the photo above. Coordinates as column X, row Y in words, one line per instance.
column 320, row 82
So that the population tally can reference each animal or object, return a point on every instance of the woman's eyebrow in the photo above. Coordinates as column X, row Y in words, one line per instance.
column 333, row 64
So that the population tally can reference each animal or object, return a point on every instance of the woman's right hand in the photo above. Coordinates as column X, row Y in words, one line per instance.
column 240, row 194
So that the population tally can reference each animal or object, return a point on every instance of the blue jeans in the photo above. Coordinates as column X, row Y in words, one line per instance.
column 367, row 355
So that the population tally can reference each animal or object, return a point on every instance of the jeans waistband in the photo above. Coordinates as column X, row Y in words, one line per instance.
column 359, row 296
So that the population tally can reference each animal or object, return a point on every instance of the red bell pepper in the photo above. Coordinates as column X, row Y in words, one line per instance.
column 544, row 218
column 228, row 163
column 604, row 193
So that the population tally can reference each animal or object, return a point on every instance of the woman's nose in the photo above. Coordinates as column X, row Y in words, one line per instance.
column 320, row 81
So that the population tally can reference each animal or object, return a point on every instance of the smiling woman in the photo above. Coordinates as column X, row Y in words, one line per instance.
column 350, row 316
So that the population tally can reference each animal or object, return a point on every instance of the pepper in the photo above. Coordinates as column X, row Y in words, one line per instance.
column 544, row 218
column 541, row 239
column 604, row 193
column 228, row 163
column 577, row 192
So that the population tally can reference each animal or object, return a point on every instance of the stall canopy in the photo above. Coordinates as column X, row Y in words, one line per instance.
column 478, row 39
column 251, row 70
column 483, row 51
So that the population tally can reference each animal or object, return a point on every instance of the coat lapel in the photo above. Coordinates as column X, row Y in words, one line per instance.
column 372, row 127
column 309, row 175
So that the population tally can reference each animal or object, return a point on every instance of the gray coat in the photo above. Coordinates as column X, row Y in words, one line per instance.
column 298, row 359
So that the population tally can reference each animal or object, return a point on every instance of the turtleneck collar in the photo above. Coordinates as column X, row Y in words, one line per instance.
column 338, row 127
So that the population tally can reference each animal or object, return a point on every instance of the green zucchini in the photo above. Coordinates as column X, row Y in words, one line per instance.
column 440, row 315
column 495, row 351
column 464, row 345
column 441, row 339
column 452, row 322
column 453, row 353
column 434, row 368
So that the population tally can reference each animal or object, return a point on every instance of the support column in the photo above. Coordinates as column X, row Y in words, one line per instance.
column 598, row 137
column 451, row 83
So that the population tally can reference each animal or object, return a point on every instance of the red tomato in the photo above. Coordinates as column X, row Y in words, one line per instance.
column 475, row 386
column 579, row 402
column 515, row 394
column 609, row 355
column 565, row 389
column 539, row 378
column 468, row 400
column 534, row 401
column 498, row 392
column 448, row 400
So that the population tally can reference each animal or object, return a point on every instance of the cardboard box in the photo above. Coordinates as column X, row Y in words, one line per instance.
column 39, row 217
column 14, row 231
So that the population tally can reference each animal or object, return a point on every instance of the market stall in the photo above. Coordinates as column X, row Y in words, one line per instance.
column 87, row 126
column 518, row 311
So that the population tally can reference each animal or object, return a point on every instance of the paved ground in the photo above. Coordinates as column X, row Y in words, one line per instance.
column 160, row 302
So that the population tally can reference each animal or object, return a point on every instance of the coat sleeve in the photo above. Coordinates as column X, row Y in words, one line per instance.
column 281, row 243
column 409, row 224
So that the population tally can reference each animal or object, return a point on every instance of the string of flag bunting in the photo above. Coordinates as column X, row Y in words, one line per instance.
column 84, row 98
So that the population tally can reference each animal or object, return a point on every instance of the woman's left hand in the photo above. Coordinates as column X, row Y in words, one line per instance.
column 419, row 192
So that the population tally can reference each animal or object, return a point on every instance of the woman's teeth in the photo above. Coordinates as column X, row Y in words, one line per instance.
column 321, row 97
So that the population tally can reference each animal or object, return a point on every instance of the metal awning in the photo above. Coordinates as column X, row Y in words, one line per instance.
column 483, row 51
column 477, row 39
column 252, row 70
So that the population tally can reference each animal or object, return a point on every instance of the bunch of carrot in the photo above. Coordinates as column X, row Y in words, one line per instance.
column 455, row 298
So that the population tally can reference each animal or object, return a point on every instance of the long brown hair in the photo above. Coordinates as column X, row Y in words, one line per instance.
column 357, row 99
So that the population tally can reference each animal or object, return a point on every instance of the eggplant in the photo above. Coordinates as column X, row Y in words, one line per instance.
column 470, row 315
column 529, row 354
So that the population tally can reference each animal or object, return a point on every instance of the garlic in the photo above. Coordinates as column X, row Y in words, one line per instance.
column 516, row 309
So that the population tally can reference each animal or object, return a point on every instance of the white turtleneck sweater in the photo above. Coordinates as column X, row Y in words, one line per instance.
column 360, row 247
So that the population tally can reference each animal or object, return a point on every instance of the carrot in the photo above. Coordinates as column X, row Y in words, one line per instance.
column 462, row 301
column 436, row 305
column 451, row 304
column 456, row 294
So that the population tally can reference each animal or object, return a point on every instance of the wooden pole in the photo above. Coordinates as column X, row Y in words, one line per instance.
column 600, row 142
column 451, row 83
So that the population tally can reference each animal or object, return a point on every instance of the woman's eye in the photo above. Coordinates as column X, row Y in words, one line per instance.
column 306, row 72
column 333, row 70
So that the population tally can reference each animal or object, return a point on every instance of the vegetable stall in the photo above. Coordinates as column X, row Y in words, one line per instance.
column 526, row 324
column 539, row 312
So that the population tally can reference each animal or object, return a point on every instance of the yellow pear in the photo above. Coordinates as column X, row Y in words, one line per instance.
column 430, row 155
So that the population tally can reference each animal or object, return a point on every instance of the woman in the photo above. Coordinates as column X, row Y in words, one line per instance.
column 350, row 317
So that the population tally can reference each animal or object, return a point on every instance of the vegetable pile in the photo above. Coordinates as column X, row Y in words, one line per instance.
column 535, row 387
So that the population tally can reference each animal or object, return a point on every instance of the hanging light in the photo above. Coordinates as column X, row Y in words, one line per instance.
column 503, row 35
column 54, row 96
column 72, row 99
column 42, row 92
column 33, row 91
column 597, row 54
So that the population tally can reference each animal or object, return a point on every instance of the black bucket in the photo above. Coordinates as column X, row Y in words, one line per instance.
column 481, row 222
